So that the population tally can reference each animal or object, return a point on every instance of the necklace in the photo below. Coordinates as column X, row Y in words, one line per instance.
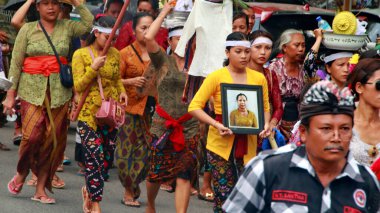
column 372, row 153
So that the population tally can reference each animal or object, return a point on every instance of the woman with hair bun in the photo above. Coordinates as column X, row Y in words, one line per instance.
column 98, row 141
column 227, row 153
column 132, row 149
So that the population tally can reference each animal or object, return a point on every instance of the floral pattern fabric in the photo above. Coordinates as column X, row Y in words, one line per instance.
column 84, row 75
column 132, row 151
column 274, row 94
column 131, row 67
column 225, row 175
column 31, row 41
column 289, row 86
column 98, row 148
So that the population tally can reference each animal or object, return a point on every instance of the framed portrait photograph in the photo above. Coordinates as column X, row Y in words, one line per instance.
column 242, row 108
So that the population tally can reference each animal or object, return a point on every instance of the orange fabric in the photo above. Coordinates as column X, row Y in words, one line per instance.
column 131, row 67
column 44, row 65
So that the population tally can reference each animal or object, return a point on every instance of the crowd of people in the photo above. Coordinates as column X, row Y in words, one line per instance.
column 327, row 112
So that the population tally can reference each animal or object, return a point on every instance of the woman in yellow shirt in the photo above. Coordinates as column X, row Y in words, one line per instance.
column 226, row 166
column 98, row 141
column 242, row 116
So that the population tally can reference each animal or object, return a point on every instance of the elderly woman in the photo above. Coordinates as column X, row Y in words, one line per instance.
column 290, row 75
column 365, row 83
column 36, row 80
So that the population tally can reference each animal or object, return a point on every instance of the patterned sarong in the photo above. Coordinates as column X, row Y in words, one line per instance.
column 36, row 148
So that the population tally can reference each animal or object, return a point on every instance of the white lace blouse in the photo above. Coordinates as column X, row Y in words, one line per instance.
column 361, row 150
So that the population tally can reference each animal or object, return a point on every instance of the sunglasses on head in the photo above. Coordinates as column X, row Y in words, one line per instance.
column 377, row 84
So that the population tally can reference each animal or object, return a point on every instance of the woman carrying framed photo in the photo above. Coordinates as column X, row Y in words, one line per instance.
column 228, row 152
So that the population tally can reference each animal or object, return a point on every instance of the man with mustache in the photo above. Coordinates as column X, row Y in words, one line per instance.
column 319, row 176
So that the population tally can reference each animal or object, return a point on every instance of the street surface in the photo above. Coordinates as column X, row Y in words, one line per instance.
column 69, row 199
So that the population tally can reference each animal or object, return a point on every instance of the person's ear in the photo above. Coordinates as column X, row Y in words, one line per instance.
column 96, row 33
column 359, row 88
column 328, row 69
column 303, row 133
column 170, row 41
column 227, row 53
column 283, row 48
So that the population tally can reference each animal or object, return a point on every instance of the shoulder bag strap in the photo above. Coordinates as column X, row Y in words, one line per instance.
column 98, row 78
column 84, row 95
column 134, row 49
column 51, row 43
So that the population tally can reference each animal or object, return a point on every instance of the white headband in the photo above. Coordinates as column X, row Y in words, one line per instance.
column 177, row 32
column 246, row 44
column 104, row 30
column 262, row 40
column 335, row 56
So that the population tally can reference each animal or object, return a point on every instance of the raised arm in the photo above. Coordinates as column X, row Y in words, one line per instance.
column 309, row 65
column 86, row 19
column 151, row 44
column 18, row 19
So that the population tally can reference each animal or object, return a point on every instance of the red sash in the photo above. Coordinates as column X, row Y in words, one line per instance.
column 44, row 65
column 176, row 137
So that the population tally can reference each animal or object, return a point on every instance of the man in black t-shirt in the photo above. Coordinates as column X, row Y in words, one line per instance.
column 319, row 176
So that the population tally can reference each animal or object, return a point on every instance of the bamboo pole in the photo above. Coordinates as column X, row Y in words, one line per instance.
column 107, row 46
column 115, row 27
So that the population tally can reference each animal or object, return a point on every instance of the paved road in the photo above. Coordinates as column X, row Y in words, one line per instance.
column 69, row 199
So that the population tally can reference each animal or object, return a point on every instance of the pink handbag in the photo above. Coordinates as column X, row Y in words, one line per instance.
column 111, row 112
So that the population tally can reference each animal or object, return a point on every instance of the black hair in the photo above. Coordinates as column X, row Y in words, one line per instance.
column 235, row 36
column 370, row 54
column 259, row 33
column 174, row 28
column 362, row 72
column 32, row 14
column 240, row 14
column 104, row 21
column 148, row 1
column 137, row 17
column 109, row 2
column 241, row 94
column 67, row 6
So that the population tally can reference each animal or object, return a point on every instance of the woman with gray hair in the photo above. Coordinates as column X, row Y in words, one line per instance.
column 291, row 76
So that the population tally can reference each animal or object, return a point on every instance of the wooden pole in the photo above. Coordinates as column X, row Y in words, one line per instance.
column 115, row 27
column 347, row 5
column 74, row 117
